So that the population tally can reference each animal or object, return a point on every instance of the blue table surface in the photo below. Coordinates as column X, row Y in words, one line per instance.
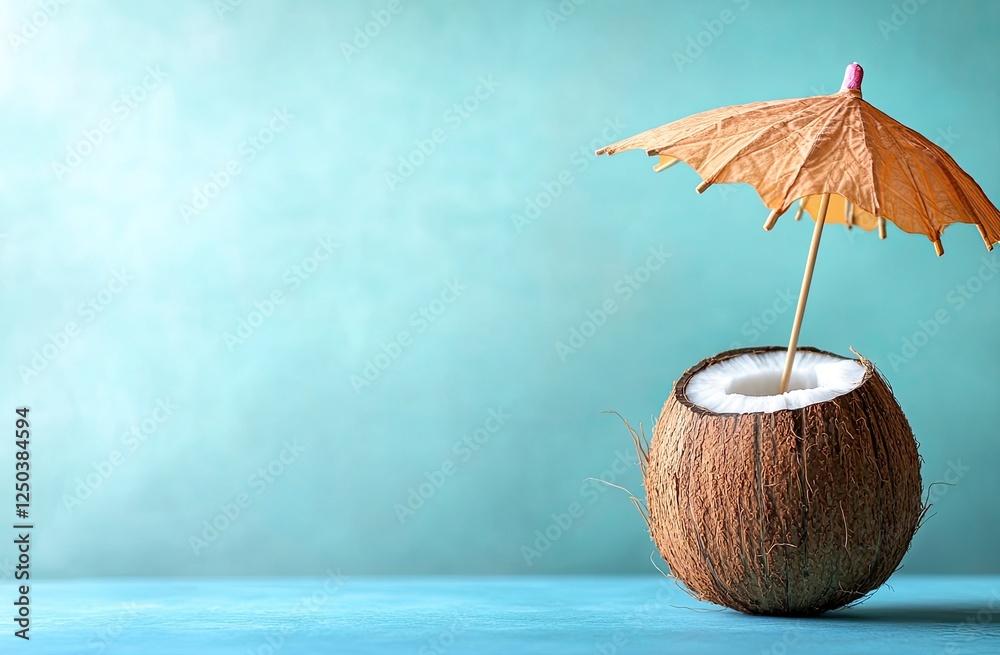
column 517, row 615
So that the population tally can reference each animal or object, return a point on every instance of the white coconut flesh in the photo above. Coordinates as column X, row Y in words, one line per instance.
column 749, row 382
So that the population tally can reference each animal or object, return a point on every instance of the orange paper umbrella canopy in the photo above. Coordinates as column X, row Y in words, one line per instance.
column 873, row 166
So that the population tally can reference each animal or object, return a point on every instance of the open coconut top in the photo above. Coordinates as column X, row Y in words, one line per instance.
column 748, row 382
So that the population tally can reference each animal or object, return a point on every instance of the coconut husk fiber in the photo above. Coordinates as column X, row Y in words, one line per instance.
column 793, row 512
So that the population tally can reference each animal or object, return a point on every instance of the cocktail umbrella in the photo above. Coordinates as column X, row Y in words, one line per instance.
column 845, row 160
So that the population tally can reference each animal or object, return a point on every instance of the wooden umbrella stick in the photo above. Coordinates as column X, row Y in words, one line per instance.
column 662, row 166
column 800, row 310
column 986, row 239
column 772, row 218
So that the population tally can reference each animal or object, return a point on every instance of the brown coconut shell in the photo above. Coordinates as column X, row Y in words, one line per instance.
column 793, row 512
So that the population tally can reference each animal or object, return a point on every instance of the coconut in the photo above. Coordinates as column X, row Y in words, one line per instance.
column 787, row 504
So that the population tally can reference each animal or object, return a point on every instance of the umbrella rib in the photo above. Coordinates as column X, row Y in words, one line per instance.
column 950, row 171
column 805, row 160
column 871, row 163
column 657, row 150
column 760, row 135
column 913, row 184
column 972, row 203
column 965, row 200
column 637, row 141
column 954, row 173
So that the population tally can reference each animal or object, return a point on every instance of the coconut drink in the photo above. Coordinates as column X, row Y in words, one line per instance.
column 787, row 480
column 792, row 503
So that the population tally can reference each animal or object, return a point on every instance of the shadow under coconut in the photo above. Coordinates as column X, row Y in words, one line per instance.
column 951, row 614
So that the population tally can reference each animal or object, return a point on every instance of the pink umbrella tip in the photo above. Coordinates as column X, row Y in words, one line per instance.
column 852, row 78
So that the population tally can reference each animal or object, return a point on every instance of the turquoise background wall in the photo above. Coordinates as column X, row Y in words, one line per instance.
column 285, row 297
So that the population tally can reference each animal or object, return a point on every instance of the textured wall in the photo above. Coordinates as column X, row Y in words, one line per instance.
column 256, row 263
